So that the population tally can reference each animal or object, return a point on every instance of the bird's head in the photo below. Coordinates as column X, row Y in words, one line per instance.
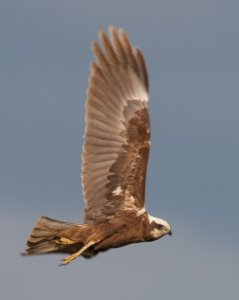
column 158, row 228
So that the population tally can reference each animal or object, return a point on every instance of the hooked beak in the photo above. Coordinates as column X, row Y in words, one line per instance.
column 170, row 232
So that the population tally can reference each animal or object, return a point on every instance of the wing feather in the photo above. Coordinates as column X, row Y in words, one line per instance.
column 116, row 144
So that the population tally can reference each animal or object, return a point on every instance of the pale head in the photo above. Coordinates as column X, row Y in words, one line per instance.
column 158, row 227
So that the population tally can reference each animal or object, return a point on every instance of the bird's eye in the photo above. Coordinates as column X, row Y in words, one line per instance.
column 160, row 226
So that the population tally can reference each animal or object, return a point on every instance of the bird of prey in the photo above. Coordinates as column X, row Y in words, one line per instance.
column 114, row 160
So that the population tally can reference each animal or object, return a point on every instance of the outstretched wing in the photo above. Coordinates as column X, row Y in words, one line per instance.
column 117, row 134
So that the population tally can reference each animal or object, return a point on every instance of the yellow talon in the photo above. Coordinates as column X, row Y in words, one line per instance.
column 70, row 258
column 65, row 241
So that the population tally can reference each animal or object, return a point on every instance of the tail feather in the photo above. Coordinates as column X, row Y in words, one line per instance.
column 46, row 235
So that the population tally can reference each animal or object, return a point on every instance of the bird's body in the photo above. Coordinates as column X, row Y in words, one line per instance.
column 114, row 160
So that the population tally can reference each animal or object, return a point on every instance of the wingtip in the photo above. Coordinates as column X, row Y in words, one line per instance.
column 100, row 33
column 122, row 31
column 115, row 31
column 111, row 28
column 93, row 44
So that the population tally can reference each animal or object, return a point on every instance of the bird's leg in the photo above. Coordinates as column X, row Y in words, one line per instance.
column 64, row 241
column 70, row 258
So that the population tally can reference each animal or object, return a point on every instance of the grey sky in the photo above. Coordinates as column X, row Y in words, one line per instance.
column 191, row 48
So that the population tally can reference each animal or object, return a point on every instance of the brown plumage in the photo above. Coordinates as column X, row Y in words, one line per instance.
column 114, row 161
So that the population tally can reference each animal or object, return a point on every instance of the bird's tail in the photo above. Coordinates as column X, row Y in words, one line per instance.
column 48, row 236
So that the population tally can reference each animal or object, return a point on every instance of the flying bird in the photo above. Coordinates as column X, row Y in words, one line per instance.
column 114, row 160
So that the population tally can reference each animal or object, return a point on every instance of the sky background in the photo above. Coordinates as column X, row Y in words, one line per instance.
column 191, row 48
